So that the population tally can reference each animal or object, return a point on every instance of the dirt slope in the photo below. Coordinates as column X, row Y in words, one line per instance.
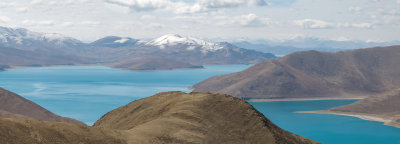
column 177, row 117
column 313, row 74
column 14, row 106
column 385, row 105
column 18, row 131
column 171, row 117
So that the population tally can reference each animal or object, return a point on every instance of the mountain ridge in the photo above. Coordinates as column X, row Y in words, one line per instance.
column 313, row 74
column 24, row 48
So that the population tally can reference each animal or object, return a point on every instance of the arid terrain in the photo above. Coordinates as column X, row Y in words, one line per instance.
column 15, row 106
column 384, row 107
column 170, row 117
column 313, row 74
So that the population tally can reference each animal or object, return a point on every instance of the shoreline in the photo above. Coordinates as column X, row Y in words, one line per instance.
column 307, row 99
column 50, row 66
column 369, row 117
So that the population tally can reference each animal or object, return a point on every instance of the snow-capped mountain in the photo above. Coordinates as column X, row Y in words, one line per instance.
column 115, row 42
column 174, row 40
column 21, row 38
column 21, row 47
column 199, row 52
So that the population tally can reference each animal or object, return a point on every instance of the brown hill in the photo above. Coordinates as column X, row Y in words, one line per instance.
column 385, row 106
column 15, row 106
column 176, row 117
column 313, row 74
column 18, row 131
column 172, row 117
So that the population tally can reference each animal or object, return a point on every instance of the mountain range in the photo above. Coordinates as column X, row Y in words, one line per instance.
column 23, row 48
column 284, row 47
column 313, row 74
column 170, row 117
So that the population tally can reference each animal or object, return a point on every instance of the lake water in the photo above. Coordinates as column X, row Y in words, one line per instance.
column 325, row 128
column 87, row 93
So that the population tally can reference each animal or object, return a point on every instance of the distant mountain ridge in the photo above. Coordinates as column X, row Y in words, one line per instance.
column 282, row 50
column 24, row 39
column 285, row 47
column 313, row 74
column 23, row 48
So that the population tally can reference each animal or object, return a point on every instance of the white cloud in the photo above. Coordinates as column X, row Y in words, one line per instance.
column 185, row 7
column 90, row 22
column 76, row 1
column 117, row 8
column 142, row 5
column 319, row 24
column 192, row 19
column 249, row 20
column 38, row 23
column 389, row 12
column 52, row 3
column 356, row 25
column 342, row 38
column 362, row 25
column 155, row 26
column 354, row 9
column 22, row 9
column 231, row 19
column 230, row 3
column 7, row 4
column 33, row 2
column 313, row 24
column 67, row 24
column 71, row 2
column 4, row 19
column 207, row 5
column 147, row 17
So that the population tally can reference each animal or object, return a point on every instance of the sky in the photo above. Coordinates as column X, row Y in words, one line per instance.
column 228, row 20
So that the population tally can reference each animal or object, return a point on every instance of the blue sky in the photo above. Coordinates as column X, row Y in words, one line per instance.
column 231, row 20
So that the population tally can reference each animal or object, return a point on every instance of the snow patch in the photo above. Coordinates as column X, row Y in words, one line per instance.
column 174, row 39
column 19, row 35
column 122, row 40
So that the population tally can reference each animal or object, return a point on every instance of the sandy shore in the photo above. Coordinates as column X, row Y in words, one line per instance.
column 307, row 99
column 369, row 117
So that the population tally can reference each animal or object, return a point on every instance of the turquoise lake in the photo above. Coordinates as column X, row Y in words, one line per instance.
column 88, row 92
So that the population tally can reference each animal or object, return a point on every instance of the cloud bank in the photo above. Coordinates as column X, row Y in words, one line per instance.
column 185, row 7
